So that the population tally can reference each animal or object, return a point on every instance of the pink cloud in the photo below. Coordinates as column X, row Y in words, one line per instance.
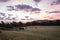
column 54, row 16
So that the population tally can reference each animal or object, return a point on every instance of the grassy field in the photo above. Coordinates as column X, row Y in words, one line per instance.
column 32, row 33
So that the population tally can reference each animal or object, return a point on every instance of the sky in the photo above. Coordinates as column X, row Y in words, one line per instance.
column 29, row 10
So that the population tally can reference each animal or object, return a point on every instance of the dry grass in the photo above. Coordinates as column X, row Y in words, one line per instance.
column 32, row 33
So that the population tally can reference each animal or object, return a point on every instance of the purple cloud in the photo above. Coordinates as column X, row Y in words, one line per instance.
column 23, row 7
column 36, row 9
column 26, row 16
column 10, row 17
column 19, row 7
column 58, row 1
column 14, row 18
column 2, row 16
column 4, row 0
column 55, row 12
column 55, row 2
column 37, row 1
column 10, row 8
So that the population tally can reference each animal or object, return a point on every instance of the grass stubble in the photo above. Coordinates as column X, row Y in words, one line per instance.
column 32, row 33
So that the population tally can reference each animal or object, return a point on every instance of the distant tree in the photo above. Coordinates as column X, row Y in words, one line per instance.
column 14, row 24
column 58, row 22
column 28, row 24
column 33, row 23
column 2, row 24
column 20, row 24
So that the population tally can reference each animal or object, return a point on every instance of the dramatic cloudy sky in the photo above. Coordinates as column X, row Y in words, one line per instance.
column 29, row 10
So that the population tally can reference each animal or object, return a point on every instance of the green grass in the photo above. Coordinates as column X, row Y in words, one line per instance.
column 32, row 33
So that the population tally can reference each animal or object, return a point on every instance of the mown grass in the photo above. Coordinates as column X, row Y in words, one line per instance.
column 32, row 33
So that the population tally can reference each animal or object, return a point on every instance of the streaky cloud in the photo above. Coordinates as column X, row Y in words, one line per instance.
column 19, row 7
column 4, row 0
column 14, row 18
column 10, row 8
column 8, row 17
column 58, row 1
column 37, row 1
column 36, row 9
column 2, row 14
column 55, row 12
column 55, row 2
column 23, row 7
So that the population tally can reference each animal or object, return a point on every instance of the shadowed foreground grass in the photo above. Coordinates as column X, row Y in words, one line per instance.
column 32, row 33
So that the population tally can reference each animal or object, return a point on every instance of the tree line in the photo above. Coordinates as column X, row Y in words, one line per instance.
column 33, row 23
